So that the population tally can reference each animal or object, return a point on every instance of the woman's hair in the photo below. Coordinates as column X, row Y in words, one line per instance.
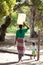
column 20, row 26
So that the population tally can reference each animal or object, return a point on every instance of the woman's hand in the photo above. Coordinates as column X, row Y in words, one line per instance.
column 25, row 25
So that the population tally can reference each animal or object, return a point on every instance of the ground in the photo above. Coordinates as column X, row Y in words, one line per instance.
column 10, row 58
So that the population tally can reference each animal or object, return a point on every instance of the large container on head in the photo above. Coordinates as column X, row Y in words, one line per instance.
column 21, row 18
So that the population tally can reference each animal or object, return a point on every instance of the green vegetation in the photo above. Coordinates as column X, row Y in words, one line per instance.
column 6, row 8
column 13, row 25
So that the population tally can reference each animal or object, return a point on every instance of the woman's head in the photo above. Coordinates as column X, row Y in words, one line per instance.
column 20, row 26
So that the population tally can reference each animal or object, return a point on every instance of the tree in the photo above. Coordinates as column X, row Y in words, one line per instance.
column 6, row 9
column 34, row 6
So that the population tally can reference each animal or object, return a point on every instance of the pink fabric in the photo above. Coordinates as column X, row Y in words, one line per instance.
column 20, row 40
column 20, row 46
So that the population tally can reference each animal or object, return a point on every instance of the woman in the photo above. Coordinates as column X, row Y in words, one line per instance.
column 20, row 34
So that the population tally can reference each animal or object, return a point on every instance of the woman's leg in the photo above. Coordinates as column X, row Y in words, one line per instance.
column 20, row 56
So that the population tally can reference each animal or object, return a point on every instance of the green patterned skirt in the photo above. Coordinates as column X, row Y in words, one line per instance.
column 33, row 52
